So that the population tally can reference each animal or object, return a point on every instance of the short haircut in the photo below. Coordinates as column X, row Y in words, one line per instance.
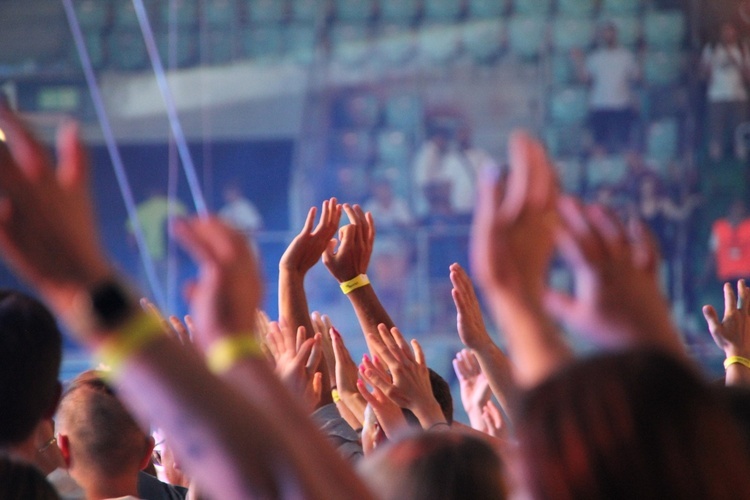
column 21, row 481
column 435, row 466
column 442, row 393
column 30, row 353
column 106, row 439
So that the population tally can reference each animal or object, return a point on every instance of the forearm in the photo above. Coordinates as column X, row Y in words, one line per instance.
column 370, row 312
column 323, row 473
column 499, row 372
column 536, row 347
column 355, row 403
column 225, row 442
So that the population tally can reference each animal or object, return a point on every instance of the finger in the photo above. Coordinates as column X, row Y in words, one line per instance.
column 327, row 323
column 744, row 296
column 370, row 229
column 391, row 353
column 303, row 354
column 301, row 336
column 182, row 333
column 317, row 386
column 576, row 221
column 473, row 362
column 362, row 388
column 316, row 353
column 645, row 246
column 72, row 159
column 730, row 300
column 29, row 154
column 190, row 324
column 309, row 221
column 401, row 342
column 458, row 369
column 712, row 319
column 418, row 353
column 611, row 232
column 324, row 216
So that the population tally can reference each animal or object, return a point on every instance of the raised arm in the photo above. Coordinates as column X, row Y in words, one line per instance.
column 349, row 261
column 732, row 333
column 493, row 363
column 511, row 246
column 47, row 234
column 618, row 303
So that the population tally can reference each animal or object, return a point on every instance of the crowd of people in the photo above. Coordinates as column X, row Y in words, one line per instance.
column 229, row 404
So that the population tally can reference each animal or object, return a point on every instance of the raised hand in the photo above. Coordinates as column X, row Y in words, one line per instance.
column 512, row 241
column 228, row 291
column 474, row 386
column 389, row 414
column 493, row 421
column 297, row 359
column 512, row 233
column 469, row 320
column 307, row 247
column 410, row 385
column 732, row 333
column 346, row 376
column 47, row 229
column 322, row 324
column 355, row 242
column 618, row 301
column 172, row 326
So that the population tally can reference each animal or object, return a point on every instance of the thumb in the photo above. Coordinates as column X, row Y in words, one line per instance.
column 712, row 318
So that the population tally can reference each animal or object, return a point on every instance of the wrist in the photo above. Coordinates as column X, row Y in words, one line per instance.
column 428, row 413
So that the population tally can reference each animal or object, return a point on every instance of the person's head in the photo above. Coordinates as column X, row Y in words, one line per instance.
column 728, row 33
column 442, row 392
column 98, row 438
column 440, row 137
column 435, row 466
column 628, row 425
column 23, row 481
column 166, row 464
column 30, row 353
column 608, row 33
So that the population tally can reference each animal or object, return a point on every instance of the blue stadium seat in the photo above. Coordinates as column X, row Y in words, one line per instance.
column 354, row 11
column 662, row 140
column 396, row 45
column 263, row 43
column 394, row 148
column 350, row 44
column 575, row 8
column 220, row 14
column 93, row 14
column 404, row 112
column 621, row 6
column 664, row 29
column 483, row 40
column 527, row 36
column 300, row 42
column 125, row 16
column 219, row 47
column 306, row 11
column 184, row 48
column 662, row 68
column 608, row 171
column 562, row 70
column 484, row 9
column 399, row 11
column 532, row 7
column 439, row 44
column 629, row 29
column 569, row 106
column 185, row 13
column 571, row 33
column 127, row 50
column 266, row 11
column 441, row 10
column 564, row 140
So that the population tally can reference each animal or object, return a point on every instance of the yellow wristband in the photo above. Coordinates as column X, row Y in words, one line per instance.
column 335, row 395
column 354, row 283
column 738, row 360
column 131, row 337
column 225, row 353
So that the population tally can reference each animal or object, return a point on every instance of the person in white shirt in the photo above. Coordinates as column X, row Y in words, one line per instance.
column 388, row 209
column 610, row 71
column 240, row 212
column 726, row 66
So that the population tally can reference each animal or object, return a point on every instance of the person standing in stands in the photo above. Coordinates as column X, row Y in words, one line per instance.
column 730, row 244
column 726, row 66
column 610, row 70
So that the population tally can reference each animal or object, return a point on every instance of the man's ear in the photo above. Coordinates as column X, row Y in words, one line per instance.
column 150, row 443
column 50, row 412
column 64, row 444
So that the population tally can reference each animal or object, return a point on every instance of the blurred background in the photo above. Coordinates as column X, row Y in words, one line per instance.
column 398, row 105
